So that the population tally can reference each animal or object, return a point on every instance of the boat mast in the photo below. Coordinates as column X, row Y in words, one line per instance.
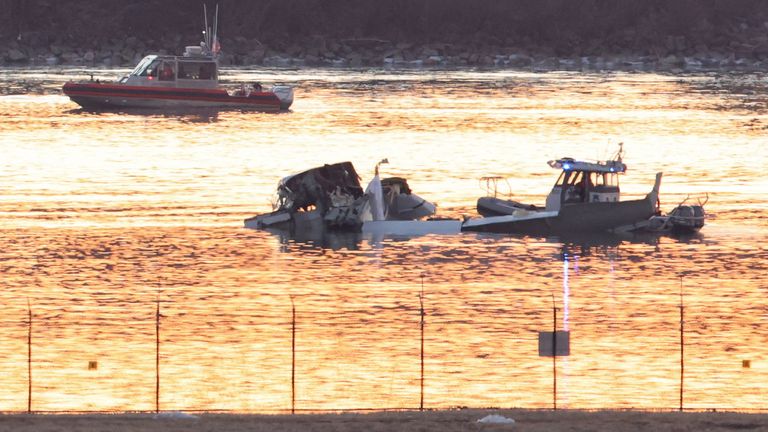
column 206, row 32
column 215, row 46
column 215, row 25
column 210, row 33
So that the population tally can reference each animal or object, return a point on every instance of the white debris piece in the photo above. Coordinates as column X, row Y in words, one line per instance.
column 175, row 415
column 496, row 419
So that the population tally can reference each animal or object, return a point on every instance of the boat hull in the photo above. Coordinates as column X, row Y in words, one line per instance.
column 581, row 217
column 100, row 96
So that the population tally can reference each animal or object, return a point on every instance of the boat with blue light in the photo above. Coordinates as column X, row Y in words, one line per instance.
column 585, row 198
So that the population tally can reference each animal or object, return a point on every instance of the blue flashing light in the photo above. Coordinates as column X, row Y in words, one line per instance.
column 566, row 166
column 611, row 169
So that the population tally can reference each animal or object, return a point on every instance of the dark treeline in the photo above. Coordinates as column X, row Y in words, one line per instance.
column 564, row 27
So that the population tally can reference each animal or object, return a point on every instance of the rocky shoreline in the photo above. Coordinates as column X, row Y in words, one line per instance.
column 405, row 421
column 677, row 55
column 666, row 35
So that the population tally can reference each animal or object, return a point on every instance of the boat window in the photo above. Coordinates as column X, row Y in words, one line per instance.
column 168, row 71
column 151, row 68
column 197, row 70
column 561, row 179
column 597, row 179
column 142, row 66
column 575, row 178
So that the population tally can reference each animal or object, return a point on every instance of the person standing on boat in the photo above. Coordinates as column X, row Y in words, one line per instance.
column 167, row 74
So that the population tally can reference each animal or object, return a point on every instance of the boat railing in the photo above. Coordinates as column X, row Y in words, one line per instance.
column 490, row 184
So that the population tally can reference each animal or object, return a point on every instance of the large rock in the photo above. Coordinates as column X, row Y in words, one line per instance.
column 334, row 47
column 486, row 60
column 127, row 54
column 317, row 45
column 132, row 42
column 391, row 53
column 71, row 57
column 671, row 61
column 277, row 60
column 116, row 60
column 433, row 60
column 546, row 63
column 311, row 60
column 17, row 55
column 257, row 55
column 294, row 50
column 761, row 50
column 429, row 52
column 520, row 60
column 239, row 45
column 116, row 44
column 355, row 61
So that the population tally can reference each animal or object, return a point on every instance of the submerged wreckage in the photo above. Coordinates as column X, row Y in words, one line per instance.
column 584, row 199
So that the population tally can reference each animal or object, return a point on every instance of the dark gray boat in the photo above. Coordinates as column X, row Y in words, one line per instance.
column 585, row 198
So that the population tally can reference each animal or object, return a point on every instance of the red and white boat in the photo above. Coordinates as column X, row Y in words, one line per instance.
column 177, row 82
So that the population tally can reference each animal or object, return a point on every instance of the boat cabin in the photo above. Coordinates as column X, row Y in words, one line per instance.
column 584, row 182
column 195, row 69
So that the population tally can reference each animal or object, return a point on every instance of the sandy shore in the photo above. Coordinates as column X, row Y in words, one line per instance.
column 457, row 420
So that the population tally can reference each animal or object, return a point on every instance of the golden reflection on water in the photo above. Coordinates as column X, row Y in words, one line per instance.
column 102, row 215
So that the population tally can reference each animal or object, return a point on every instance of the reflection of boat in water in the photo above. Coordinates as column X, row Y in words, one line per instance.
column 187, row 81
column 330, row 198
column 585, row 198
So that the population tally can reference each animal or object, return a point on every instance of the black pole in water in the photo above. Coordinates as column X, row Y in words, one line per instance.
column 157, row 357
column 682, row 344
column 554, row 354
column 29, row 357
column 293, row 357
column 421, row 311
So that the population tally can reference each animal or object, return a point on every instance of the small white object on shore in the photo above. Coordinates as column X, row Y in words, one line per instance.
column 175, row 415
column 496, row 419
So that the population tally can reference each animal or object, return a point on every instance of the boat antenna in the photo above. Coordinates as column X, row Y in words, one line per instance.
column 205, row 29
column 216, row 23
column 215, row 46
column 620, row 153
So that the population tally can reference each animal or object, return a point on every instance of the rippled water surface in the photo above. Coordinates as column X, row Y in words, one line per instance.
column 102, row 216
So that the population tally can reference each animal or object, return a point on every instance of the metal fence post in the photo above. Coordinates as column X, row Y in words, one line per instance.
column 554, row 353
column 29, row 356
column 293, row 356
column 682, row 343
column 157, row 356
column 421, row 324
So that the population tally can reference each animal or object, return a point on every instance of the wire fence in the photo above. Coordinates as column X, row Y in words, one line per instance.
column 286, row 355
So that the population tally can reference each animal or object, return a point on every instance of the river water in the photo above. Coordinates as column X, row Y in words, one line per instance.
column 103, row 217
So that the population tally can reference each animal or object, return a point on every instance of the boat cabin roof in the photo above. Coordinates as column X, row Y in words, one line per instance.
column 569, row 164
column 152, row 61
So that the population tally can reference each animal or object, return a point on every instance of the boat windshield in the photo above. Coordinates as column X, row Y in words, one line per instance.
column 569, row 178
column 561, row 179
column 146, row 66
